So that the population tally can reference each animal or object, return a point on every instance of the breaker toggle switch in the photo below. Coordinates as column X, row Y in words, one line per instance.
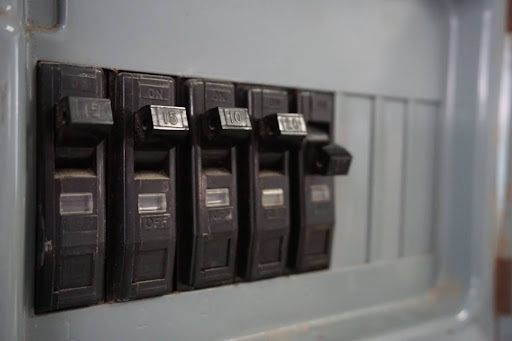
column 226, row 126
column 160, row 125
column 83, row 118
column 283, row 129
column 323, row 157
column 73, row 122
column 332, row 160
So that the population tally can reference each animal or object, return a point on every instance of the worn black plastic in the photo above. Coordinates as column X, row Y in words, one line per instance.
column 313, row 167
column 225, row 126
column 208, row 233
column 142, row 163
column 264, row 175
column 73, row 123
column 248, row 191
column 281, row 130
column 329, row 159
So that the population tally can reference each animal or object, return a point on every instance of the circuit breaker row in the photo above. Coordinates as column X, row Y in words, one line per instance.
column 150, row 183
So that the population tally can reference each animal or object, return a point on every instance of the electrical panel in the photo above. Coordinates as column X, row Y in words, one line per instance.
column 153, row 183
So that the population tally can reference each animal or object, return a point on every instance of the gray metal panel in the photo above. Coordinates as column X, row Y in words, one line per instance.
column 419, row 182
column 237, row 310
column 13, row 143
column 399, row 51
column 388, row 147
column 353, row 130
column 42, row 13
column 391, row 321
column 197, row 38
column 468, row 217
column 297, row 43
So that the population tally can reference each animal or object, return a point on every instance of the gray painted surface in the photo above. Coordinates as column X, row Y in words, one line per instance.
column 419, row 180
column 393, row 50
column 392, row 177
column 353, row 130
column 12, row 170
column 388, row 146
column 299, row 43
column 378, row 323
column 234, row 311
column 42, row 13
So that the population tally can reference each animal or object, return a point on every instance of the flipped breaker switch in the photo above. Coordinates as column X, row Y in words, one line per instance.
column 313, row 168
column 333, row 159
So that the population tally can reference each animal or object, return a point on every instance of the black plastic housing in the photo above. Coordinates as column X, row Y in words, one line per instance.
column 208, row 233
column 313, row 167
column 74, row 120
column 134, row 202
column 263, row 169
column 142, row 185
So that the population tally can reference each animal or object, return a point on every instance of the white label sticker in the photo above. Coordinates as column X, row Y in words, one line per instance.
column 272, row 197
column 217, row 197
column 320, row 193
column 152, row 203
column 76, row 203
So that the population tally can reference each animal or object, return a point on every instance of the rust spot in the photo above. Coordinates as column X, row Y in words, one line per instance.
column 503, row 242
column 5, row 10
column 503, row 286
column 31, row 29
column 444, row 289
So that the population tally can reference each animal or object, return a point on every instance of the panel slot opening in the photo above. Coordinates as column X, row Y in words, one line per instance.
column 151, row 164
column 272, row 163
column 83, row 158
column 216, row 159
column 76, row 203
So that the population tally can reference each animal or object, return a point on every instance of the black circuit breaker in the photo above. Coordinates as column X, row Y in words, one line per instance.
column 264, row 184
column 313, row 167
column 208, row 230
column 142, row 185
column 74, row 118
column 236, row 184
